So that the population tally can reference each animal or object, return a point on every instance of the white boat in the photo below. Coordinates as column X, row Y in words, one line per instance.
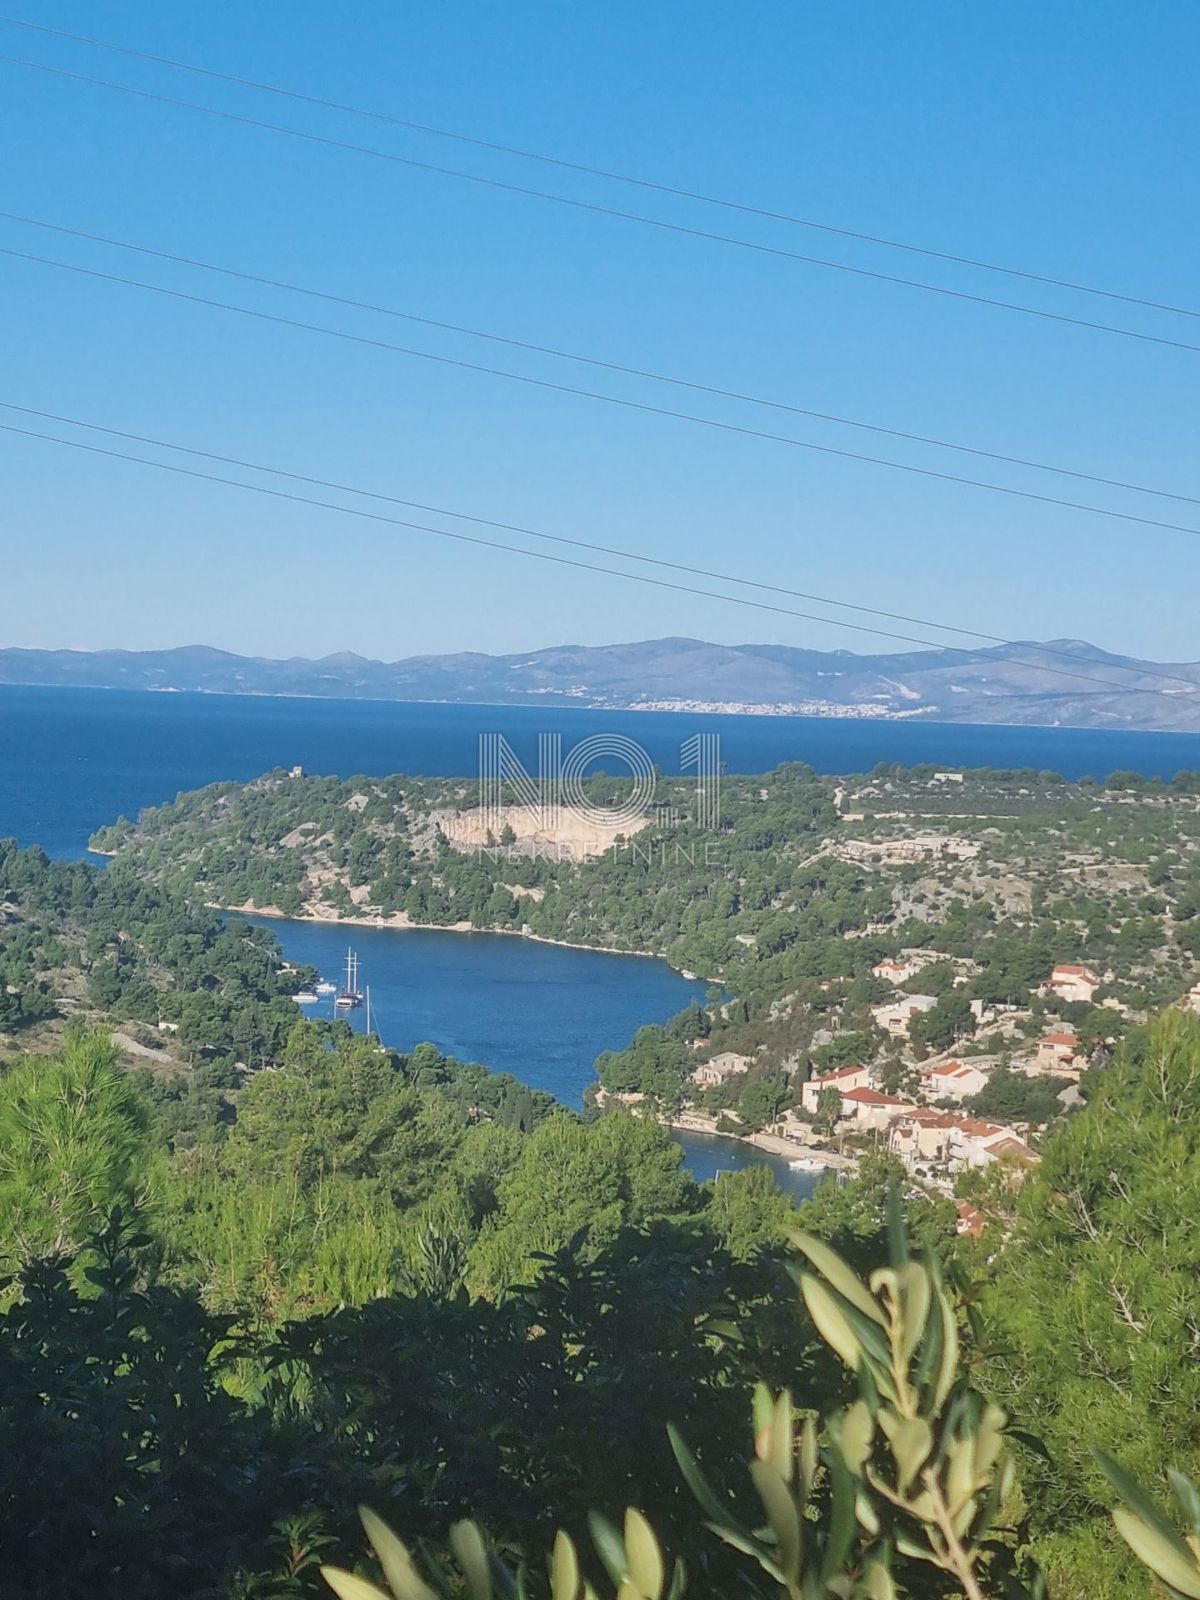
column 349, row 995
column 807, row 1164
column 326, row 988
column 306, row 997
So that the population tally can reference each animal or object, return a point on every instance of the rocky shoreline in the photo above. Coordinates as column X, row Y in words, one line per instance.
column 401, row 922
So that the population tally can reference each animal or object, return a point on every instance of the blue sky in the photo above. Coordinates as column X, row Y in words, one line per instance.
column 1061, row 139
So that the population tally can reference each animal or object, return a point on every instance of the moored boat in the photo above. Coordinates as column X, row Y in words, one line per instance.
column 349, row 995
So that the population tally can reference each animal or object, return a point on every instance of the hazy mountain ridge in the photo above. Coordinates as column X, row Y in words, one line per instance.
column 1064, row 681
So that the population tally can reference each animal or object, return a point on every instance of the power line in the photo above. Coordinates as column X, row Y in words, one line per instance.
column 595, row 394
column 607, row 173
column 565, row 561
column 590, row 361
column 597, row 209
column 534, row 533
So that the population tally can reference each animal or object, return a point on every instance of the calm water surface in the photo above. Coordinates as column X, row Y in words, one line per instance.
column 543, row 1012
column 540, row 1011
column 707, row 1156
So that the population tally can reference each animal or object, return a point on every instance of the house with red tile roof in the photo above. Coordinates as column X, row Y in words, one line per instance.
column 977, row 1144
column 954, row 1080
column 949, row 1139
column 1058, row 1052
column 868, row 1108
column 843, row 1079
column 892, row 971
column 1068, row 983
column 1011, row 1148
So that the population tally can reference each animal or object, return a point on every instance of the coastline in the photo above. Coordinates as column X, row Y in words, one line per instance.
column 772, row 1144
column 400, row 922
column 923, row 720
column 711, row 709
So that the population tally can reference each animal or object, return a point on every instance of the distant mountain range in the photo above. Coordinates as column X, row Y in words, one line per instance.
column 1064, row 682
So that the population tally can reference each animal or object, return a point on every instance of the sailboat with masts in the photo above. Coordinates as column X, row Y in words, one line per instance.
column 349, row 996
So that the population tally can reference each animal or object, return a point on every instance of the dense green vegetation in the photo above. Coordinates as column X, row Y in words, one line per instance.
column 360, row 1289
column 1095, row 1295
column 273, row 1270
column 162, row 1436
column 903, row 1492
column 116, row 942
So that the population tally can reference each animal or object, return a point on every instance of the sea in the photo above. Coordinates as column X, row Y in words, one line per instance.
column 73, row 759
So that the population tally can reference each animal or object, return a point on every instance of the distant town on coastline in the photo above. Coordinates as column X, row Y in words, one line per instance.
column 1057, row 683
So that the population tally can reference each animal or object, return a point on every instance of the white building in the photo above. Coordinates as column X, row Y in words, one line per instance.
column 897, row 972
column 894, row 1019
column 868, row 1108
column 918, row 847
column 978, row 1144
column 956, row 1080
column 1070, row 983
column 949, row 1139
column 843, row 1080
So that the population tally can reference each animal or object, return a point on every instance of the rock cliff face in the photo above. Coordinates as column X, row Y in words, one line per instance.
column 575, row 837
column 1060, row 682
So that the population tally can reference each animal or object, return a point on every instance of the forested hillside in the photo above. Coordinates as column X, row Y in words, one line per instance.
column 797, row 863
column 193, row 1417
column 265, row 1271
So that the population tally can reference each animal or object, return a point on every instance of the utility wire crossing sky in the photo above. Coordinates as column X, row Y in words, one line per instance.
column 485, row 257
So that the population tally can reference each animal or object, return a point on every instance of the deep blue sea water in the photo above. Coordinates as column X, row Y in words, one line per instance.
column 72, row 759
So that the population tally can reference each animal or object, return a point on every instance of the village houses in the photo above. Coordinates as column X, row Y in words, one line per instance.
column 919, row 848
column 1058, row 1053
column 869, row 1109
column 897, row 972
column 949, row 1139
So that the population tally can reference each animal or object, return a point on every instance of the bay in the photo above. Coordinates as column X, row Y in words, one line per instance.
column 708, row 1155
column 543, row 1012
column 73, row 759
